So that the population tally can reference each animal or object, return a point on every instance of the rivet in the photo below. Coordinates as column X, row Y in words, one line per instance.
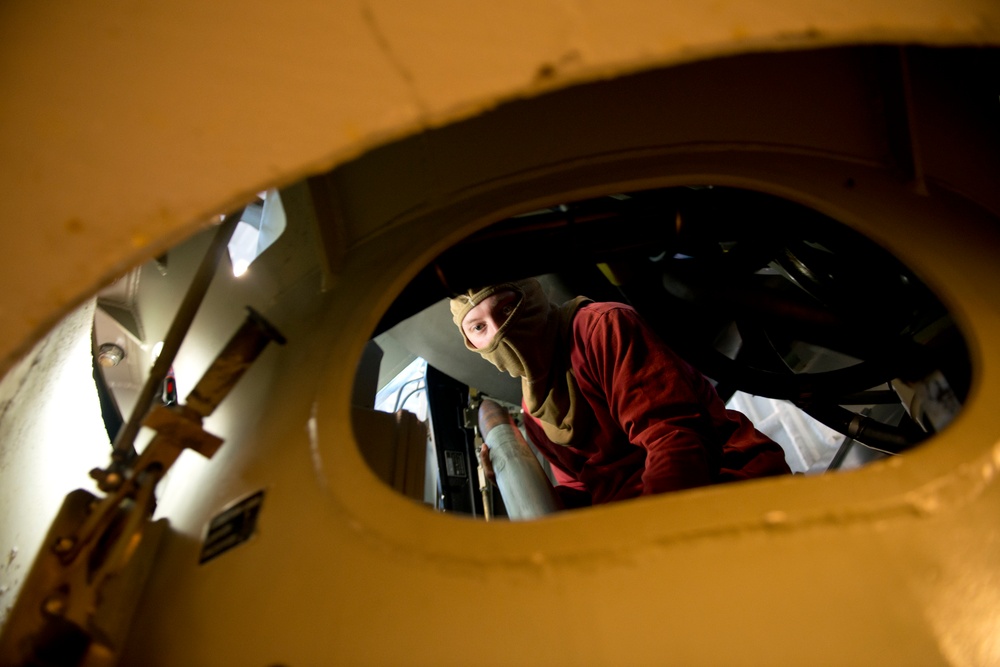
column 54, row 605
column 64, row 544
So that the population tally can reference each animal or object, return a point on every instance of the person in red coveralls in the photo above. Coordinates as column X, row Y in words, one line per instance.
column 612, row 408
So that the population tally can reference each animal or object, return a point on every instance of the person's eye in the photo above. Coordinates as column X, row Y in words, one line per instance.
column 476, row 328
column 508, row 309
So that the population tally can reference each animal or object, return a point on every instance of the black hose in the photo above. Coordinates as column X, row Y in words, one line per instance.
column 865, row 430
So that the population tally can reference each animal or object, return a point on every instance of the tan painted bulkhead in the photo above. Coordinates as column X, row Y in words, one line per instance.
column 897, row 559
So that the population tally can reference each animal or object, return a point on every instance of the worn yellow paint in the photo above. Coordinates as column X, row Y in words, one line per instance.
column 113, row 114
column 141, row 121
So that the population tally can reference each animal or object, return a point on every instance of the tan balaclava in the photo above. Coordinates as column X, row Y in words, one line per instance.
column 533, row 344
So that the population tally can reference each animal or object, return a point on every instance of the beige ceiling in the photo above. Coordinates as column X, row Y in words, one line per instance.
column 125, row 126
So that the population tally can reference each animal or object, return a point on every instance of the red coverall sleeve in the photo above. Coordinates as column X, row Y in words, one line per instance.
column 571, row 491
column 655, row 397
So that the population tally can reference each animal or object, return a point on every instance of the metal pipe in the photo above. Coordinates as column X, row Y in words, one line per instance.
column 526, row 491
column 864, row 430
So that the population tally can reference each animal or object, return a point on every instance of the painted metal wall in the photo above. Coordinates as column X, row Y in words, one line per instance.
column 126, row 128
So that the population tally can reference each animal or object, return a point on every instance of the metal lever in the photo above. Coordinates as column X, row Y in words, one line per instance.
column 179, row 427
column 123, row 448
column 234, row 360
column 57, row 618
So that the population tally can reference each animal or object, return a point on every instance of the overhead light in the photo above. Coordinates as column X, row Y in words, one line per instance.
column 240, row 267
column 263, row 221
column 110, row 355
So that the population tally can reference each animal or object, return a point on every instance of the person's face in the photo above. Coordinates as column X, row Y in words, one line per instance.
column 481, row 323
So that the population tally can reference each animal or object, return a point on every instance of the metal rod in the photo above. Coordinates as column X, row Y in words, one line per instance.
column 124, row 443
column 484, row 489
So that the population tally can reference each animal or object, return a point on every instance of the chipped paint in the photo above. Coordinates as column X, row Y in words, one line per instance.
column 312, row 431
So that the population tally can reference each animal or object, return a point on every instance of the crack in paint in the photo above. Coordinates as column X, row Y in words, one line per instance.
column 394, row 60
